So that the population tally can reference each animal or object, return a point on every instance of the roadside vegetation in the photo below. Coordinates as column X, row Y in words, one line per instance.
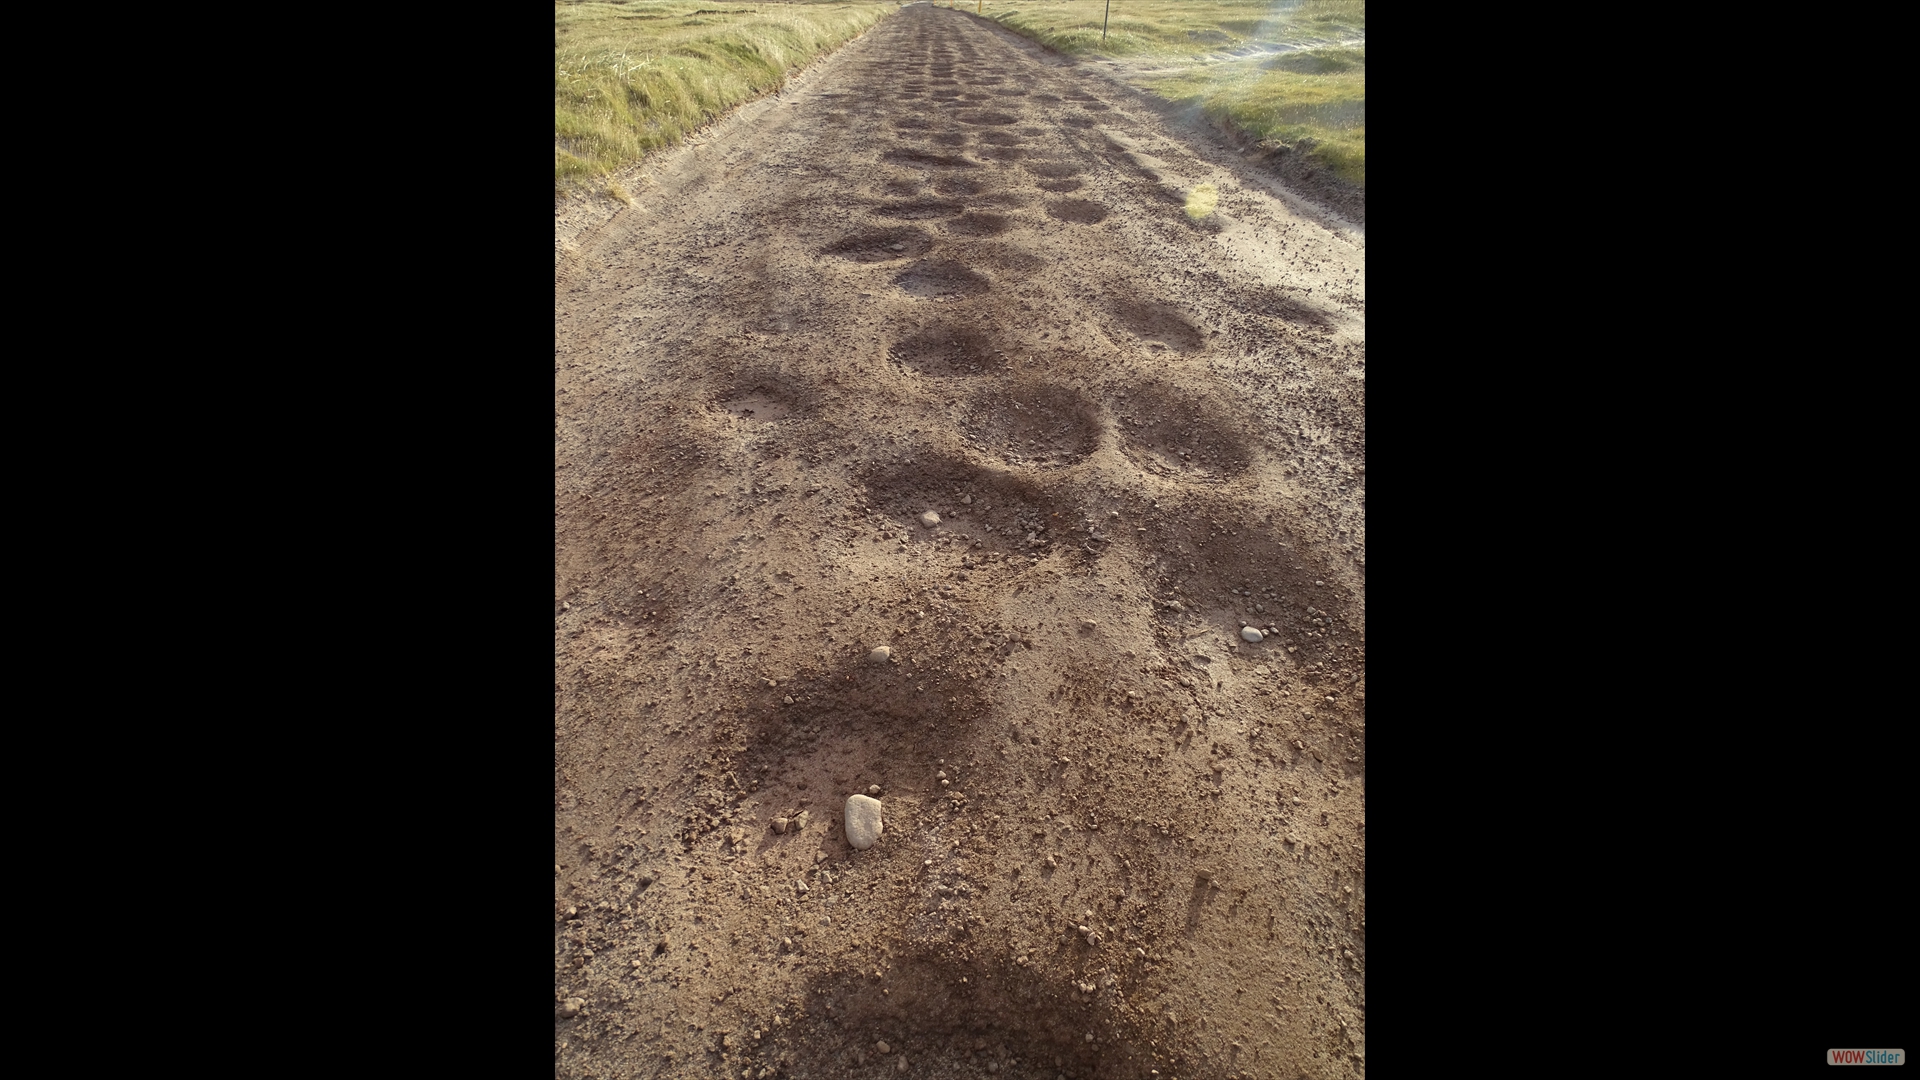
column 1281, row 72
column 634, row 76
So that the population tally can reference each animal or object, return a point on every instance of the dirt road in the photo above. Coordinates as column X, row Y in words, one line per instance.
column 951, row 273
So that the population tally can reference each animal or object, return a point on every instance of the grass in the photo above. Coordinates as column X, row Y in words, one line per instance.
column 634, row 76
column 1321, row 110
column 1313, row 98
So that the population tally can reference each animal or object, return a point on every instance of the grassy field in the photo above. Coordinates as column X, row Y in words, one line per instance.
column 1313, row 98
column 632, row 76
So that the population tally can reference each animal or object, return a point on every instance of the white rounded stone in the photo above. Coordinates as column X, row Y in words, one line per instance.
column 929, row 519
column 1251, row 634
column 863, row 821
column 880, row 655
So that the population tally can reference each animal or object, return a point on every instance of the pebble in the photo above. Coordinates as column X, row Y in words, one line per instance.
column 929, row 519
column 780, row 825
column 1088, row 624
column 1251, row 634
column 880, row 655
column 966, row 500
column 572, row 1008
column 873, row 790
column 883, row 1047
column 863, row 821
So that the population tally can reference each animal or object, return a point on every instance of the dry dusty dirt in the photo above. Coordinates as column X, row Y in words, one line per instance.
column 951, row 272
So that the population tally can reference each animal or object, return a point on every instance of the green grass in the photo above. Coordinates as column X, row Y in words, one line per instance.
column 634, row 76
column 1314, row 99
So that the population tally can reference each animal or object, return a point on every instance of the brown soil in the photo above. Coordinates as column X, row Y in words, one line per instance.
column 853, row 305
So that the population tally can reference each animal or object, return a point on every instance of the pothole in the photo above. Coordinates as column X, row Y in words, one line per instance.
column 959, row 185
column 1078, row 211
column 758, row 405
column 1037, row 425
column 948, row 350
column 1055, row 170
column 1276, row 304
column 1003, row 153
column 974, row 224
column 1078, row 121
column 1060, row 185
column 940, row 278
column 951, row 138
column 1003, row 138
column 991, row 119
column 1174, row 432
column 1003, row 257
column 1010, row 513
column 919, row 209
column 881, row 245
column 766, row 396
column 1231, row 562
column 926, row 157
column 1159, row 322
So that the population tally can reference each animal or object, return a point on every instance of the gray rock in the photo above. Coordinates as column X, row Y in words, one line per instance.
column 880, row 655
column 929, row 519
column 863, row 821
column 1250, row 634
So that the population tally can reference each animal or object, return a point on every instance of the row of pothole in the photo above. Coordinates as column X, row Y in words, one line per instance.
column 1035, row 423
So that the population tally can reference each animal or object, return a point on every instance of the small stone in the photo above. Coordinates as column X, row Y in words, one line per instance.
column 1088, row 624
column 863, row 821
column 883, row 1047
column 966, row 500
column 780, row 825
column 873, row 790
column 788, row 700
column 571, row 1008
column 896, row 247
column 1251, row 634
column 929, row 519
column 880, row 655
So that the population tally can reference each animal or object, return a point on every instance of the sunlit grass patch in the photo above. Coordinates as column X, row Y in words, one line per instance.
column 633, row 76
column 1175, row 27
column 1313, row 96
column 1323, row 114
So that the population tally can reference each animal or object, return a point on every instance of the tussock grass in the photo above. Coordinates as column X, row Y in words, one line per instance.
column 1313, row 98
column 1180, row 27
column 1321, row 109
column 634, row 76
